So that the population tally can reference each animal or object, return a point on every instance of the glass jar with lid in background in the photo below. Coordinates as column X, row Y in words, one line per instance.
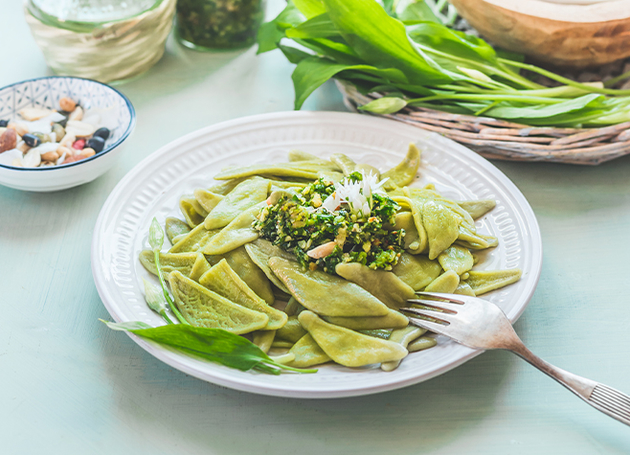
column 106, row 40
column 218, row 24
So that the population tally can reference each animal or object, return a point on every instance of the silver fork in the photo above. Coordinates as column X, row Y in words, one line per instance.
column 480, row 324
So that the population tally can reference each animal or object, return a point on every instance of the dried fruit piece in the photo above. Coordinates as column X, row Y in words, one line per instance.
column 78, row 144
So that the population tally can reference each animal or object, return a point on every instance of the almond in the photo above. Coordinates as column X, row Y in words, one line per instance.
column 8, row 140
column 79, row 129
column 31, row 114
column 322, row 250
column 76, row 115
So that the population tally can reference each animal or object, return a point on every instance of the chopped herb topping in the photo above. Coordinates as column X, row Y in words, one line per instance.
column 325, row 224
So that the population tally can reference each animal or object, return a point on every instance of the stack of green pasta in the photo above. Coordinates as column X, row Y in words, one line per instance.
column 224, row 272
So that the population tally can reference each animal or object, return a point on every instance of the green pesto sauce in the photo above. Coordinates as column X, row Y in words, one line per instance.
column 219, row 24
column 298, row 224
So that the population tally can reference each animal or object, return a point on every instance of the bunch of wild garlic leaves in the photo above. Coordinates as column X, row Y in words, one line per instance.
column 401, row 48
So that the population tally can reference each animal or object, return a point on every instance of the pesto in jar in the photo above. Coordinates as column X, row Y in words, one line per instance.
column 218, row 24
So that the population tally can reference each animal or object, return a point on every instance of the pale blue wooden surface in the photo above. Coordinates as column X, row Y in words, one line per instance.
column 68, row 385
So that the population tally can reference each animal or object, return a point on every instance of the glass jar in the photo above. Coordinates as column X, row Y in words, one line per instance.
column 106, row 40
column 218, row 24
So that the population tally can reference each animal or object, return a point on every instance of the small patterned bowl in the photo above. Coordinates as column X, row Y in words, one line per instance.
column 118, row 115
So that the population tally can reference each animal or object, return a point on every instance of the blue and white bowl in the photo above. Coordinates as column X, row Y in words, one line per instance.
column 113, row 108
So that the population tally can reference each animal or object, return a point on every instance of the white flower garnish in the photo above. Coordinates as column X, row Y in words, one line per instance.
column 358, row 195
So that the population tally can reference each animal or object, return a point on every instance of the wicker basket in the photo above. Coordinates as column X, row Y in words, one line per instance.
column 498, row 139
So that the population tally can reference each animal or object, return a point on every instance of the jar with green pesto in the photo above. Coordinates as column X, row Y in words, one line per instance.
column 218, row 24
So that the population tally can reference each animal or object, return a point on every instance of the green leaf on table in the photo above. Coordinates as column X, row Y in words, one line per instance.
column 381, row 40
column 384, row 105
column 215, row 345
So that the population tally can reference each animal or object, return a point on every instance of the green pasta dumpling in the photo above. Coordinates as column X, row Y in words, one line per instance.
column 224, row 281
column 169, row 262
column 326, row 294
column 489, row 280
column 347, row 347
column 244, row 196
column 307, row 353
column 237, row 233
column 404, row 173
column 175, row 227
column 204, row 308
column 260, row 251
column 392, row 320
column 385, row 286
column 195, row 240
column 416, row 270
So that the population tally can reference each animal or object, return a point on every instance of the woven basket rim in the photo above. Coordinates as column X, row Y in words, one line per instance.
column 501, row 139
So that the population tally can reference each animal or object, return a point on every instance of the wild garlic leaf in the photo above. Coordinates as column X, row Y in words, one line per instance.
column 415, row 10
column 270, row 33
column 310, row 8
column 312, row 72
column 318, row 27
column 292, row 54
column 380, row 39
column 514, row 112
column 215, row 345
column 453, row 43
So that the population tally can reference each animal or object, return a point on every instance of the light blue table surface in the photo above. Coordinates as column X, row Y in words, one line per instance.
column 68, row 385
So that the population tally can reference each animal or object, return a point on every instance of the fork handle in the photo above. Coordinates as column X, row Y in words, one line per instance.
column 603, row 398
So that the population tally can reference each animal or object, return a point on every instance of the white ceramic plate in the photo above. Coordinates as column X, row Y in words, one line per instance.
column 154, row 186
